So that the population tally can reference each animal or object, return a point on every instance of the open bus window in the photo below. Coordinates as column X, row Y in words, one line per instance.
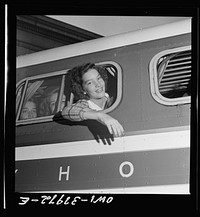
column 41, row 98
column 114, row 84
column 170, row 76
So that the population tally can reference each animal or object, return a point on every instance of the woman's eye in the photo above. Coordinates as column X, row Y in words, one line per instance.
column 34, row 111
column 52, row 104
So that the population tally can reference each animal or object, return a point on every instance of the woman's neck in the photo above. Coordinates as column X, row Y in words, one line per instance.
column 100, row 102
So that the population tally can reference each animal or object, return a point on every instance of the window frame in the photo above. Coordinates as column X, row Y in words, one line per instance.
column 154, row 88
column 26, row 80
column 63, row 73
column 21, row 85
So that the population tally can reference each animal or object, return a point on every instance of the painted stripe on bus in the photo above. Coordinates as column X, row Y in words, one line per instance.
column 129, row 169
column 151, row 141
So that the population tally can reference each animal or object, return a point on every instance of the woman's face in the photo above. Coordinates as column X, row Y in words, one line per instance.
column 93, row 84
column 28, row 111
column 53, row 100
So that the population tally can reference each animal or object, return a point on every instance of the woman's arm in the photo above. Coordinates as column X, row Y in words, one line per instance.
column 74, row 112
column 112, row 124
column 80, row 111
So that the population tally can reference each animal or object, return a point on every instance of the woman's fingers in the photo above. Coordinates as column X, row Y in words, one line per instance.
column 115, row 128
column 110, row 129
column 118, row 128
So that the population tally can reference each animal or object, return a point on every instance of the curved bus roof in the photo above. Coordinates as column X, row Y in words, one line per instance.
column 106, row 43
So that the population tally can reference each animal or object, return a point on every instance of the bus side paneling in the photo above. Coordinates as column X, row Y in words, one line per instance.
column 156, row 115
column 137, row 111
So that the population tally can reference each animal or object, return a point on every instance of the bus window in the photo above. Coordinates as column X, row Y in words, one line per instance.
column 114, row 84
column 41, row 98
column 170, row 76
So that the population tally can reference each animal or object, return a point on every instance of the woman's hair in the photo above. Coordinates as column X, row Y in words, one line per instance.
column 76, row 80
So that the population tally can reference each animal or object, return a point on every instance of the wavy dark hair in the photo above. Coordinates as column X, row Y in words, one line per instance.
column 76, row 80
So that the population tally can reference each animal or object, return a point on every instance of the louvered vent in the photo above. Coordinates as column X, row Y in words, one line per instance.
column 174, row 74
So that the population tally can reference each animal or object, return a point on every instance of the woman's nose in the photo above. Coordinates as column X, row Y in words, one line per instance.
column 29, row 114
column 97, row 84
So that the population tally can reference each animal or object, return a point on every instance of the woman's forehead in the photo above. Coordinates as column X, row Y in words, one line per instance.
column 29, row 105
column 90, row 74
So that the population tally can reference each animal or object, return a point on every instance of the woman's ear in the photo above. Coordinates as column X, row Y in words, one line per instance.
column 85, row 94
column 84, row 90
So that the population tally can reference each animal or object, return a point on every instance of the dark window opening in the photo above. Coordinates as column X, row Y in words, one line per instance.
column 174, row 74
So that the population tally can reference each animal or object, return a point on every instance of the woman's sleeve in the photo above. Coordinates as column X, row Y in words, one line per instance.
column 75, row 111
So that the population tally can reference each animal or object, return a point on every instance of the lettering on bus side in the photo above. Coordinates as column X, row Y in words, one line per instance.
column 131, row 169
column 64, row 172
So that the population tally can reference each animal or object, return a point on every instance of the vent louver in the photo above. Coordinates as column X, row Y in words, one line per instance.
column 174, row 74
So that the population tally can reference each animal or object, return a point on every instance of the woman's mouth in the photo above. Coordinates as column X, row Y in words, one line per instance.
column 99, row 90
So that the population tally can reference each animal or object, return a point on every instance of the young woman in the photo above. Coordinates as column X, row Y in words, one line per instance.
column 48, row 105
column 28, row 111
column 88, row 84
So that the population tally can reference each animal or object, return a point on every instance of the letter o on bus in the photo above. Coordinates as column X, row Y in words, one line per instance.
column 130, row 173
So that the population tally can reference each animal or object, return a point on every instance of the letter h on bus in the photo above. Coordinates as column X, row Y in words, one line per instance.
column 61, row 172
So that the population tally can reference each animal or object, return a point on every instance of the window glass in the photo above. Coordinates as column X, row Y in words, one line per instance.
column 41, row 98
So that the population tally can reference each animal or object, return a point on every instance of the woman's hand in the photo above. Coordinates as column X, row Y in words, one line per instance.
column 112, row 124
